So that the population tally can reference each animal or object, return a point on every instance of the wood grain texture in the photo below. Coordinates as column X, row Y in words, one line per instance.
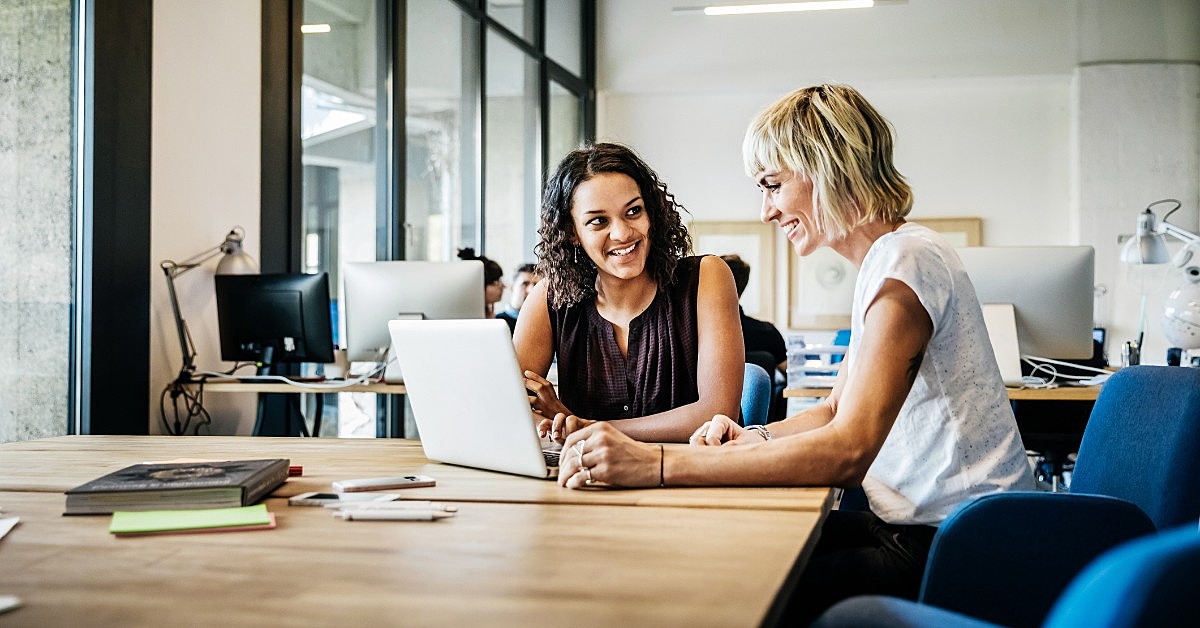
column 58, row 464
column 492, row 564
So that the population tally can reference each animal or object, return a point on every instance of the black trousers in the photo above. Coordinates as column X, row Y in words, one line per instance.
column 859, row 554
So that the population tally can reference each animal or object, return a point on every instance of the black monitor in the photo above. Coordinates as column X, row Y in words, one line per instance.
column 274, row 318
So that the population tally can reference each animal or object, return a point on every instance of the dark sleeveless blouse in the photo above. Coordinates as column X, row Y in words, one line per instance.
column 596, row 382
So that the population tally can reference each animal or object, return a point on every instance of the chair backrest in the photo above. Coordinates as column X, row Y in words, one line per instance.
column 756, row 395
column 1147, row 582
column 1142, row 443
column 1005, row 557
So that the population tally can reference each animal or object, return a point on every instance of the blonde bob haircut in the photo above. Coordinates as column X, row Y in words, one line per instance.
column 834, row 137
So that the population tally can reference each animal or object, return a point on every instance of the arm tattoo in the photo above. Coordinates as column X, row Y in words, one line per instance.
column 914, row 365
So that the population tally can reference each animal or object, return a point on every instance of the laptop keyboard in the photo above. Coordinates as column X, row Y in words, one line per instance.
column 551, row 457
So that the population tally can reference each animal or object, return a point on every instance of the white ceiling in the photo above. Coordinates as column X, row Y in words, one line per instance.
column 644, row 48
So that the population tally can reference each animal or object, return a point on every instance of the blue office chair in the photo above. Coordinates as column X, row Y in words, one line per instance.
column 756, row 395
column 1142, row 443
column 1141, row 446
column 1149, row 581
column 1005, row 557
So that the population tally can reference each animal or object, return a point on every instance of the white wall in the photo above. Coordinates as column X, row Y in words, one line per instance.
column 205, row 131
column 982, row 93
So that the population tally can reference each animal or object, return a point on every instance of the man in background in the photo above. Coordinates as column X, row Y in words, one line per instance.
column 523, row 278
column 764, row 343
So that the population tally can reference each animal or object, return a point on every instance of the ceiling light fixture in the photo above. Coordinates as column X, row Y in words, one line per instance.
column 784, row 7
column 309, row 29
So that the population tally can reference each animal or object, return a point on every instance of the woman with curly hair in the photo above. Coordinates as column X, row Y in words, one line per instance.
column 647, row 338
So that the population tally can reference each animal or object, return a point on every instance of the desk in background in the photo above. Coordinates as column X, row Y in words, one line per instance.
column 520, row 551
column 382, row 429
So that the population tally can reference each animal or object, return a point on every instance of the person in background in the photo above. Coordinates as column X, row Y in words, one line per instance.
column 646, row 337
column 493, row 280
column 523, row 279
column 918, row 415
column 759, row 337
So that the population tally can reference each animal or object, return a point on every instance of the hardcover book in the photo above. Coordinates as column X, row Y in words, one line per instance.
column 178, row 486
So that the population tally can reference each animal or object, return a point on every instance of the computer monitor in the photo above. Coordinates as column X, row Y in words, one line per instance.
column 377, row 292
column 1050, row 288
column 274, row 318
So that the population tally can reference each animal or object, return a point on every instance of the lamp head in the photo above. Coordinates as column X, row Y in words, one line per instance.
column 1147, row 246
column 236, row 261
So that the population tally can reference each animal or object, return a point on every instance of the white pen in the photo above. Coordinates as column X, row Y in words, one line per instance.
column 410, row 505
column 391, row 515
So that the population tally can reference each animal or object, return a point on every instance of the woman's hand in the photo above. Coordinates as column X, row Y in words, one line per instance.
column 561, row 426
column 543, row 400
column 600, row 455
column 720, row 430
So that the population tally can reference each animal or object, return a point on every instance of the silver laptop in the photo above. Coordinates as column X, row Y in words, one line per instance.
column 468, row 395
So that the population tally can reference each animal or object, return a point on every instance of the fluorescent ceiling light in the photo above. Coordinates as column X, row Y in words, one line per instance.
column 779, row 7
column 308, row 29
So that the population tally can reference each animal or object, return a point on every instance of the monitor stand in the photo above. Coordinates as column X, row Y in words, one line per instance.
column 1001, row 322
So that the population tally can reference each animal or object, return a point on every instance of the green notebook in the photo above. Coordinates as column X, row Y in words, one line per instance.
column 148, row 521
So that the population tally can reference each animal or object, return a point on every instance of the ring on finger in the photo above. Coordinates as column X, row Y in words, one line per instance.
column 587, row 471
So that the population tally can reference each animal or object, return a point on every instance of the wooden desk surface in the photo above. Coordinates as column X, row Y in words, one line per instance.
column 58, row 464
column 492, row 564
column 519, row 551
column 1062, row 393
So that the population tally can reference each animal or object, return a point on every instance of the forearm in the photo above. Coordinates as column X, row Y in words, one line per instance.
column 810, row 418
column 675, row 425
column 820, row 457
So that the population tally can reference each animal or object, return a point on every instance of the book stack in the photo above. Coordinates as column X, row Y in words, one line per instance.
column 178, row 486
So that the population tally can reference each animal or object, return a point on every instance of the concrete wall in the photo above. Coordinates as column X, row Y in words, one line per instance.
column 35, row 217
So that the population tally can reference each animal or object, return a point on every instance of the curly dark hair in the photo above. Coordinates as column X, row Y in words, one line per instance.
column 573, row 276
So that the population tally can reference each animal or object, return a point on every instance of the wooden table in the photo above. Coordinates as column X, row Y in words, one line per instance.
column 1061, row 393
column 57, row 464
column 531, row 553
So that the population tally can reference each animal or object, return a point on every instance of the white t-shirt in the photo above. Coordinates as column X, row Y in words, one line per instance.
column 955, row 437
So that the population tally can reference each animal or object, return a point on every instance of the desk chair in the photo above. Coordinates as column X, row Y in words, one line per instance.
column 1138, row 469
column 756, row 395
column 1149, row 581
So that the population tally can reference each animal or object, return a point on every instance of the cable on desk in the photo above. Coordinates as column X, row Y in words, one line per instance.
column 193, row 408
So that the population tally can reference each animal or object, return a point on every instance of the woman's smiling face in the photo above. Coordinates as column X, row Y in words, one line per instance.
column 787, row 200
column 611, row 224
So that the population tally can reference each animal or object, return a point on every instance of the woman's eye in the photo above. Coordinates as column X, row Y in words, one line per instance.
column 595, row 222
column 633, row 211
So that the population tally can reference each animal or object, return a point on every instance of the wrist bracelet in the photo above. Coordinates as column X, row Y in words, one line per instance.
column 661, row 456
column 761, row 430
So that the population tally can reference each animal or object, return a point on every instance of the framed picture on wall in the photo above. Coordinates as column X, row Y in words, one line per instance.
column 821, row 286
column 820, row 290
column 754, row 242
column 958, row 231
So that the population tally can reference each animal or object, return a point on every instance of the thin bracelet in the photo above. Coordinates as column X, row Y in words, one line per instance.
column 661, row 455
column 761, row 430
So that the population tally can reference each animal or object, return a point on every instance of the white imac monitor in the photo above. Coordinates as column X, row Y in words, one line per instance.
column 377, row 292
column 1051, row 289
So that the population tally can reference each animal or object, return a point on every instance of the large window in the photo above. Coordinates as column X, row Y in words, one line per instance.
column 491, row 94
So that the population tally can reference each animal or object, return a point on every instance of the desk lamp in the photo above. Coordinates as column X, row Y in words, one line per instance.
column 1181, row 312
column 236, row 261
